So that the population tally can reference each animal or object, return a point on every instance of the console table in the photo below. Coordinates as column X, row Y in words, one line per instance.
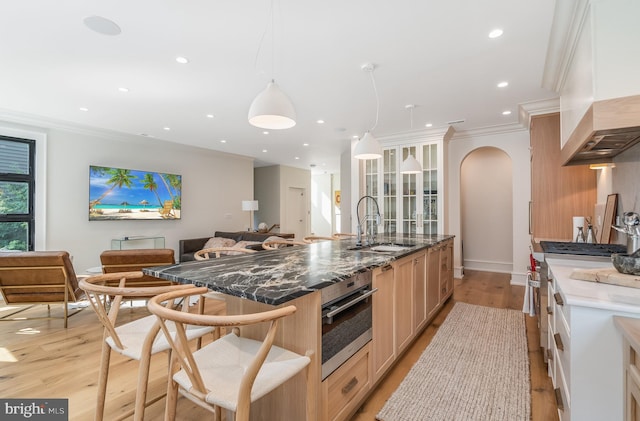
column 127, row 243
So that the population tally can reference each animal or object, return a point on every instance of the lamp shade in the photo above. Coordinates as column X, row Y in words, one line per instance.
column 410, row 166
column 367, row 148
column 272, row 109
column 249, row 205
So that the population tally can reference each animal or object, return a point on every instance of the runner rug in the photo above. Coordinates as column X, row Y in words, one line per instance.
column 475, row 368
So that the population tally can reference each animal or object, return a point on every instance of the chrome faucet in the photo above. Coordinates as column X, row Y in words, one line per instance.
column 370, row 238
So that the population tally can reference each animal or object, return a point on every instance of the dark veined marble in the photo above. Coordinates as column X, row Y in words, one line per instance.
column 277, row 276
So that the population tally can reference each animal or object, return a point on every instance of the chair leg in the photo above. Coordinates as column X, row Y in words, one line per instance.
column 172, row 392
column 143, row 383
column 102, row 380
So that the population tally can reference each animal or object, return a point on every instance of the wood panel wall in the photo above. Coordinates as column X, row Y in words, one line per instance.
column 558, row 193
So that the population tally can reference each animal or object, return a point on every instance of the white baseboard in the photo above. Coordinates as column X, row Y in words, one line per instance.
column 486, row 266
column 518, row 278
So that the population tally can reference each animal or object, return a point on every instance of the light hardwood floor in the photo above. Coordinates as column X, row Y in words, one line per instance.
column 41, row 359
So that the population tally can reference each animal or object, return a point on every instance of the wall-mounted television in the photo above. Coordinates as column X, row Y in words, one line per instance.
column 123, row 194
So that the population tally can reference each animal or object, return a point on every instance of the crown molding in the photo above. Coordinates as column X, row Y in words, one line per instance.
column 568, row 21
column 491, row 130
column 417, row 136
column 544, row 106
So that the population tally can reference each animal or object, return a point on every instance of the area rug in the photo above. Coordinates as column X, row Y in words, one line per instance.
column 475, row 368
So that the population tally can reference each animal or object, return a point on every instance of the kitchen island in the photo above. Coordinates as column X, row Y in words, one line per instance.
column 412, row 284
column 586, row 348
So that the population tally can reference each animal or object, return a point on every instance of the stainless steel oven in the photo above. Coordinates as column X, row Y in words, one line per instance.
column 346, row 320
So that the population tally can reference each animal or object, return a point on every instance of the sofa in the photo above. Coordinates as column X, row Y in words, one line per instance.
column 247, row 239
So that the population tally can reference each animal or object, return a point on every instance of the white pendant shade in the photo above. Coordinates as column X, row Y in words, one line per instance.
column 367, row 148
column 410, row 166
column 272, row 109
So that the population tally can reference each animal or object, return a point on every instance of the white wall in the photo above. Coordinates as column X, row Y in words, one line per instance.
column 514, row 141
column 486, row 191
column 213, row 187
column 322, row 205
column 267, row 192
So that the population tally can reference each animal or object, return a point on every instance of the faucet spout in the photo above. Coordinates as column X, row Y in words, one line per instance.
column 371, row 238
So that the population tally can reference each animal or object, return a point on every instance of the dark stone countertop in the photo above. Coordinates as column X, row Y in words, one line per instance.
column 277, row 276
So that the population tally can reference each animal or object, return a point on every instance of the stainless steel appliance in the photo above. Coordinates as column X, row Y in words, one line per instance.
column 563, row 250
column 346, row 320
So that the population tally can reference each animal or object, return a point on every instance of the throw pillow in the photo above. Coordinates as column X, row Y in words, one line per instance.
column 242, row 245
column 219, row 242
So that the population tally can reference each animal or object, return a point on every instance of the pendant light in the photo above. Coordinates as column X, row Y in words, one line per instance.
column 411, row 164
column 368, row 147
column 272, row 108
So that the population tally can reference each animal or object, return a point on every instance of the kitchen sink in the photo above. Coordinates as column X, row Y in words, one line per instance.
column 383, row 247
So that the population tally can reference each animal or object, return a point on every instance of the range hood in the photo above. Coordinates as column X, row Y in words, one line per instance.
column 608, row 128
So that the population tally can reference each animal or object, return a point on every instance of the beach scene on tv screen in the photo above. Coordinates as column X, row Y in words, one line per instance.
column 117, row 193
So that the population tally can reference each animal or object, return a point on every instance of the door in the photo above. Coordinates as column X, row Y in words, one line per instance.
column 296, row 215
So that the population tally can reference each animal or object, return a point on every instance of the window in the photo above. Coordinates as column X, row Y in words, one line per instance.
column 17, row 185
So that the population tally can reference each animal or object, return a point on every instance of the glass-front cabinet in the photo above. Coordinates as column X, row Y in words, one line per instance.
column 410, row 203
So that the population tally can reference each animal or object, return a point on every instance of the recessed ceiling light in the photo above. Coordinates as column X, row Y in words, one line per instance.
column 264, row 151
column 506, row 112
column 265, row 132
column 320, row 121
column 495, row 33
column 123, row 89
column 305, row 144
column 101, row 25
column 355, row 136
column 210, row 116
column 167, row 128
column 503, row 84
column 84, row 109
column 182, row 60
column 223, row 141
column 297, row 157
column 428, row 125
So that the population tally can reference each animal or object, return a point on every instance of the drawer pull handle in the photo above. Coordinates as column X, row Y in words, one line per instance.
column 559, row 402
column 549, row 354
column 549, row 310
column 349, row 386
column 386, row 268
column 550, row 280
column 558, row 341
column 558, row 299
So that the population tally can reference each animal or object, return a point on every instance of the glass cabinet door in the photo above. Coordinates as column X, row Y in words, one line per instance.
column 430, row 189
column 389, row 193
column 409, row 196
column 368, row 209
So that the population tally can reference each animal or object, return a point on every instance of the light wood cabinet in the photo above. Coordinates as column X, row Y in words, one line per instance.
column 383, row 352
column 557, row 193
column 446, row 270
column 630, row 329
column 433, row 280
column 419, row 291
column 346, row 387
column 403, row 303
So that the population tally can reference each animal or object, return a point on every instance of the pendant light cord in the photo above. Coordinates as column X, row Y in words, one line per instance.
column 264, row 34
column 375, row 90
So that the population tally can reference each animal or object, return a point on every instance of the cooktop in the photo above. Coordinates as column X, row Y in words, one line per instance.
column 581, row 249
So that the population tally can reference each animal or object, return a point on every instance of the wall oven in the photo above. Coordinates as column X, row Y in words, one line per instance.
column 346, row 320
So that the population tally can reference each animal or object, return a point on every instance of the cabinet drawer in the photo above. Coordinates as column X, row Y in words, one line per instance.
column 561, row 335
column 632, row 399
column 346, row 386
column 551, row 364
column 563, row 391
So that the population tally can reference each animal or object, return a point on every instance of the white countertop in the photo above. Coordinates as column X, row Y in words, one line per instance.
column 591, row 294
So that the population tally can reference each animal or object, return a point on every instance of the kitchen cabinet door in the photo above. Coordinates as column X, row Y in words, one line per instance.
column 446, row 270
column 383, row 332
column 433, row 280
column 557, row 193
column 419, row 292
column 403, row 303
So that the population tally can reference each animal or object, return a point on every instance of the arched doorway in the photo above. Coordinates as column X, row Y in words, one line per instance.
column 486, row 210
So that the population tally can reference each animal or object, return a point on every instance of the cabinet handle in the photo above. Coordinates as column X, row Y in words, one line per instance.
column 550, row 280
column 549, row 354
column 559, row 402
column 558, row 299
column 549, row 310
column 349, row 386
column 558, row 340
column 386, row 268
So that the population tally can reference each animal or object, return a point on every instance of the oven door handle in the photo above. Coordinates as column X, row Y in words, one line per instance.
column 351, row 303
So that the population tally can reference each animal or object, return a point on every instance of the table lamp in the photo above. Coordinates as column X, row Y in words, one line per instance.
column 250, row 205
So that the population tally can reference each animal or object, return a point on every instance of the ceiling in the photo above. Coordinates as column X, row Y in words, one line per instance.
column 435, row 55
